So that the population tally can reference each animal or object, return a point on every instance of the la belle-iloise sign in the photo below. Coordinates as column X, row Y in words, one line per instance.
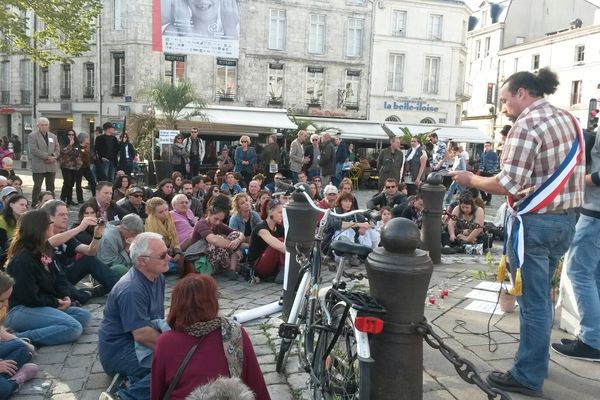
column 410, row 106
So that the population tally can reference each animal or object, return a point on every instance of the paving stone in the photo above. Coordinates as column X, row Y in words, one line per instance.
column 67, row 386
column 65, row 396
column 90, row 394
column 98, row 381
column 80, row 360
column 88, row 348
column 280, row 392
column 50, row 358
column 74, row 373
column 273, row 378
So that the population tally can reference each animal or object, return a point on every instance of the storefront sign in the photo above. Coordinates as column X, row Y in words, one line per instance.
column 410, row 106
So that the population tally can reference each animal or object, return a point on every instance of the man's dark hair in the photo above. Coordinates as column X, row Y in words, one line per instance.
column 107, row 125
column 197, row 179
column 98, row 129
column 433, row 135
column 52, row 205
column 544, row 82
column 102, row 184
column 505, row 129
column 490, row 143
column 186, row 182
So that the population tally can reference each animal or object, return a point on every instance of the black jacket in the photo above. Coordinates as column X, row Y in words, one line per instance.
column 130, row 209
column 380, row 200
column 34, row 286
column 113, row 213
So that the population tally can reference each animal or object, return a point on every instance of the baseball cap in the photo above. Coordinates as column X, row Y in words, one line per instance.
column 6, row 191
column 134, row 190
column 107, row 125
column 330, row 189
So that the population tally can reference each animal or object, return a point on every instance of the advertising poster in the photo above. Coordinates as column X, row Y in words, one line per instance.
column 209, row 27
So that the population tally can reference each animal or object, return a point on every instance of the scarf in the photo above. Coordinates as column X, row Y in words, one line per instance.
column 166, row 229
column 412, row 153
column 231, row 334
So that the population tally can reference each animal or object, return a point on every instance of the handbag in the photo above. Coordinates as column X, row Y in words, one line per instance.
column 182, row 366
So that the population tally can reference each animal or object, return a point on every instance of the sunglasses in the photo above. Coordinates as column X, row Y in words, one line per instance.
column 138, row 195
column 390, row 187
column 161, row 257
column 244, row 141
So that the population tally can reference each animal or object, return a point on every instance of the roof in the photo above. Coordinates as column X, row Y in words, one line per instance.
column 355, row 129
column 460, row 134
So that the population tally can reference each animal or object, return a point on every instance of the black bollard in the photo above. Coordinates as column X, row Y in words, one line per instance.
column 302, row 222
column 399, row 275
column 431, row 230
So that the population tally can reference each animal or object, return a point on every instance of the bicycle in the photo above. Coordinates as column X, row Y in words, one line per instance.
column 333, row 324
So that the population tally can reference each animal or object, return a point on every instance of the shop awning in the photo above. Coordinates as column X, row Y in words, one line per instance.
column 239, row 120
column 460, row 134
column 354, row 129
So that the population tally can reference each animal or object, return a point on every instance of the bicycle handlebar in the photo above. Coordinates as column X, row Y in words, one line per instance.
column 369, row 214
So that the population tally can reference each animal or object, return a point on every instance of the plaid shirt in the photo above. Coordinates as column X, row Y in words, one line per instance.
column 535, row 147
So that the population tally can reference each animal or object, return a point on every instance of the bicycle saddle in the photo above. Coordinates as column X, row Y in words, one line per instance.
column 343, row 247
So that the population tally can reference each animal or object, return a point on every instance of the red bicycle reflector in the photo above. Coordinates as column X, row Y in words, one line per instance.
column 369, row 324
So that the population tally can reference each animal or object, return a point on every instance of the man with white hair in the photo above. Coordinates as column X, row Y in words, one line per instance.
column 135, row 301
column 327, row 160
column 312, row 155
column 114, row 248
column 43, row 151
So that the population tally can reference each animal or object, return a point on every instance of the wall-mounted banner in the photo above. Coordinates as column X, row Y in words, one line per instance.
column 410, row 106
column 209, row 27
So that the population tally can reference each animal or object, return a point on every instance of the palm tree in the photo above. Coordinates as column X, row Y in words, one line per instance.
column 168, row 105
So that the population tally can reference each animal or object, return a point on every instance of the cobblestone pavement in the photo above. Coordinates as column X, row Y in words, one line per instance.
column 73, row 371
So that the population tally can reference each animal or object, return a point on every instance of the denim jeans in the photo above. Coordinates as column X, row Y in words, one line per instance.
column 14, row 350
column 547, row 238
column 583, row 269
column 92, row 266
column 125, row 362
column 47, row 326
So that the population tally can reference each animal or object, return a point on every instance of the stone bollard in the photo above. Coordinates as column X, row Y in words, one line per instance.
column 431, row 231
column 399, row 275
column 301, row 220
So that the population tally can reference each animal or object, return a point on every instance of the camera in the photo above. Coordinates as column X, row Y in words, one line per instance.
column 100, row 221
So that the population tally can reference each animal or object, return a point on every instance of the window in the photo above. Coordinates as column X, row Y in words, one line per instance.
column 486, row 51
column 65, row 81
column 580, row 53
column 277, row 30
column 355, row 37
column 316, row 39
column 432, row 75
column 118, row 88
column 515, row 65
column 395, row 72
column 226, row 84
column 427, row 120
column 25, row 72
column 349, row 95
column 535, row 61
column 477, row 52
column 393, row 118
column 119, row 10
column 89, row 80
column 5, row 82
column 44, row 83
column 435, row 27
column 484, row 17
column 314, row 86
column 275, row 84
column 575, row 92
column 174, row 68
column 399, row 23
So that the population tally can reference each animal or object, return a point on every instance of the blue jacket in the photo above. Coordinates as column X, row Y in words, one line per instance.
column 488, row 162
column 250, row 157
column 236, row 222
column 341, row 153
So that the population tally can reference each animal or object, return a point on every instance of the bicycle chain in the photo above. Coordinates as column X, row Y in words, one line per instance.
column 465, row 368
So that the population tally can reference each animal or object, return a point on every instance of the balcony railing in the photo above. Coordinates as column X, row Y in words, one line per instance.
column 65, row 93
column 464, row 92
column 88, row 92
column 5, row 97
column 25, row 96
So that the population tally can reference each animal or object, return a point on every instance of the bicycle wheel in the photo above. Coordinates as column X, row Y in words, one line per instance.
column 340, row 373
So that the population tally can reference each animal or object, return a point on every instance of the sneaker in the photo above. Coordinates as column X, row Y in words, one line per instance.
column 108, row 396
column 505, row 381
column 577, row 350
column 231, row 275
column 25, row 373
column 448, row 250
column 118, row 382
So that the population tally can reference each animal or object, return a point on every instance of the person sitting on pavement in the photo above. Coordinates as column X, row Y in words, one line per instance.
column 411, row 209
column 253, row 191
column 40, row 308
column 87, row 235
column 5, row 195
column 331, row 195
column 278, row 184
column 184, row 219
column 103, row 204
column 134, row 202
column 120, row 189
column 44, row 197
column 212, row 191
column 393, row 195
column 135, row 301
column 223, row 242
column 263, row 198
column 267, row 250
column 224, row 346
column 199, row 186
column 386, row 216
column 165, row 190
column 115, row 244
column 346, row 187
column 75, row 259
column 17, row 184
column 15, row 353
column 160, row 221
column 9, row 220
column 187, row 188
column 229, row 187
column 222, row 386
column 314, row 192
column 243, row 218
column 465, row 226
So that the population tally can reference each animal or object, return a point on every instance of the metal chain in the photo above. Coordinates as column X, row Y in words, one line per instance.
column 354, row 276
column 465, row 368
column 469, row 224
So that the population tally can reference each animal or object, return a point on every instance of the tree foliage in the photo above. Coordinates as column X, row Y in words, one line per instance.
column 168, row 104
column 64, row 28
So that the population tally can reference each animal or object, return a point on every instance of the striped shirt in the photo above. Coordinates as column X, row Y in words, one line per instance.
column 535, row 147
